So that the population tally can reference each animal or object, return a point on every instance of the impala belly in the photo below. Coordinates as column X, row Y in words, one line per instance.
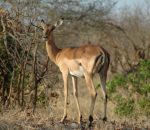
column 78, row 72
column 75, row 68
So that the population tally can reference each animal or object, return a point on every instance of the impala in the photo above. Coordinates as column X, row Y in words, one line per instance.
column 83, row 61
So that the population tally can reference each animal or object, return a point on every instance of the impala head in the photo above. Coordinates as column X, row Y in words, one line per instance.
column 48, row 29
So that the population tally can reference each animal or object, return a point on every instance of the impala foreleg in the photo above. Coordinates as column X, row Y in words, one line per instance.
column 75, row 91
column 65, row 79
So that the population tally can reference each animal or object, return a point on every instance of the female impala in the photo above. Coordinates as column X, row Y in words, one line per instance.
column 81, row 61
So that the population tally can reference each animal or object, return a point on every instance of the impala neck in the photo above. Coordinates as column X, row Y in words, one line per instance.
column 51, row 48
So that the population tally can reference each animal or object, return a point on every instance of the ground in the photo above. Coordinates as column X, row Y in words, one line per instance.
column 47, row 118
column 39, row 123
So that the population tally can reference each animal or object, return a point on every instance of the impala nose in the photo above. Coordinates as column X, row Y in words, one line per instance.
column 45, row 37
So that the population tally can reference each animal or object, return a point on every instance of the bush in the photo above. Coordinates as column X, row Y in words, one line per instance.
column 140, row 82
column 119, row 80
column 124, row 107
column 41, row 98
column 144, row 104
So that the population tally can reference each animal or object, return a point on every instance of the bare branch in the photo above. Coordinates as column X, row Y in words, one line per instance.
column 35, row 25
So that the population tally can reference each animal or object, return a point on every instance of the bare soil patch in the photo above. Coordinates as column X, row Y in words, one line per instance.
column 36, row 123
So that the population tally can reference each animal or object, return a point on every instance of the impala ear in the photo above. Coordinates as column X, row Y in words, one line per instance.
column 59, row 23
column 42, row 23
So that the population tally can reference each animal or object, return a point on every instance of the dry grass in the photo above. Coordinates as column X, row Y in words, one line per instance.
column 48, row 118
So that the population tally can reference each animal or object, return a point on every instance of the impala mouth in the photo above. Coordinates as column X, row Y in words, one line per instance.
column 45, row 37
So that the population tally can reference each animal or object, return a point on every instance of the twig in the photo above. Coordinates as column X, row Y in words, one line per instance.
column 35, row 25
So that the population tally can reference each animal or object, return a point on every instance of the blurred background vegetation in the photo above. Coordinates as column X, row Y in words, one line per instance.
column 27, row 77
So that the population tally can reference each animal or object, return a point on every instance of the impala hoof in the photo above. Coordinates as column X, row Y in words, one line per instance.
column 90, row 121
column 80, row 119
column 90, row 118
column 63, row 119
column 104, row 119
column 88, row 125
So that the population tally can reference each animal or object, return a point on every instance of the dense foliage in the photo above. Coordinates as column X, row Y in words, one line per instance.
column 131, row 92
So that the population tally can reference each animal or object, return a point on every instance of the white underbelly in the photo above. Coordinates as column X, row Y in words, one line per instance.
column 78, row 73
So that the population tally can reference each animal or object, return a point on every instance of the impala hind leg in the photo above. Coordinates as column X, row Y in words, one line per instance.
column 103, row 86
column 65, row 79
column 75, row 91
column 91, row 88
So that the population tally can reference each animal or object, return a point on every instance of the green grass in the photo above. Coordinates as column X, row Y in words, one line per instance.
column 137, row 82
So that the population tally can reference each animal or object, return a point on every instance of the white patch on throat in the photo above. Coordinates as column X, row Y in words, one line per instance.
column 78, row 73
